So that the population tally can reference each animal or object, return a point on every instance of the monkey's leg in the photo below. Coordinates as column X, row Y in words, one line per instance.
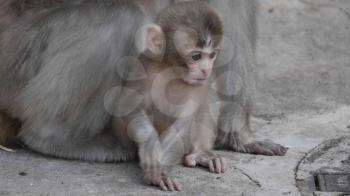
column 235, row 134
column 58, row 141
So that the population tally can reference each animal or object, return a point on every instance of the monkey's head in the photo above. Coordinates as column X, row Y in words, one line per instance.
column 187, row 36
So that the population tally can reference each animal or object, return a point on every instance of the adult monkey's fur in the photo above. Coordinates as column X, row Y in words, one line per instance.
column 74, row 127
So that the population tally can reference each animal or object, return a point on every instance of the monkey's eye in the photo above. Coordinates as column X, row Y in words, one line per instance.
column 212, row 55
column 196, row 57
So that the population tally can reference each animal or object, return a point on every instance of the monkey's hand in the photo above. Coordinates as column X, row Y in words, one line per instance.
column 153, row 175
column 231, row 141
column 207, row 159
column 266, row 148
column 150, row 155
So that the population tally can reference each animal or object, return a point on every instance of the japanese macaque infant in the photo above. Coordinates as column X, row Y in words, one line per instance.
column 175, row 119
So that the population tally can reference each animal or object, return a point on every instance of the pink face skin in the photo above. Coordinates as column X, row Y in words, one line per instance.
column 200, row 62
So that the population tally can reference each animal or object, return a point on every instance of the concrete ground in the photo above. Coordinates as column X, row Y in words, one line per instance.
column 303, row 99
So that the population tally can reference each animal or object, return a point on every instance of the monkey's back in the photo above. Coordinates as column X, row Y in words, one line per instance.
column 47, row 60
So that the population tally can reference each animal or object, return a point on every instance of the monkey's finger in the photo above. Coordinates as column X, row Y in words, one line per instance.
column 263, row 150
column 190, row 161
column 162, row 186
column 281, row 150
column 223, row 164
column 218, row 165
column 276, row 149
column 176, row 185
column 169, row 183
column 267, row 152
column 211, row 166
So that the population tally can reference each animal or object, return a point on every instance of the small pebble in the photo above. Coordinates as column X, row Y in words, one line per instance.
column 22, row 173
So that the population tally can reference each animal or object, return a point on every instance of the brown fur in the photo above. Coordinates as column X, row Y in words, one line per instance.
column 173, row 19
column 7, row 14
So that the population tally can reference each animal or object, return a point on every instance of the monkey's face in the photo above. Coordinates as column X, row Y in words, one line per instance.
column 199, row 65
column 198, row 61
column 190, row 53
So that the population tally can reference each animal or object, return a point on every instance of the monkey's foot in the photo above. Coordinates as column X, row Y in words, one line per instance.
column 155, row 177
column 265, row 148
column 206, row 159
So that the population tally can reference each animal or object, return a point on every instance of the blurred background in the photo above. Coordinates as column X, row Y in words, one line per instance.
column 303, row 56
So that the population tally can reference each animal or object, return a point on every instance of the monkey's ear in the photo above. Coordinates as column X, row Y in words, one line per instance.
column 151, row 40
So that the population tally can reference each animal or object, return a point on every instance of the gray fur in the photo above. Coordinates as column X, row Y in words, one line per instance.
column 234, row 127
column 56, row 66
column 55, row 70
column 239, row 21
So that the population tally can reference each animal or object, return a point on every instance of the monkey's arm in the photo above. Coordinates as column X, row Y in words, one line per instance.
column 201, row 145
column 141, row 130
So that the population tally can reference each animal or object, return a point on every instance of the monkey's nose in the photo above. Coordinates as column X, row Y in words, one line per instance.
column 206, row 72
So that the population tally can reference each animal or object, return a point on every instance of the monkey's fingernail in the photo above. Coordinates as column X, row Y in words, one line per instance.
column 177, row 185
column 162, row 186
column 178, row 188
column 170, row 184
column 211, row 167
column 6, row 149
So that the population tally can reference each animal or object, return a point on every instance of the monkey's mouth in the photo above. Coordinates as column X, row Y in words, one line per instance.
column 196, row 81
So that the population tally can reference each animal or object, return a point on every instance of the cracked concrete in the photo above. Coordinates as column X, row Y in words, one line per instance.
column 329, row 164
column 302, row 100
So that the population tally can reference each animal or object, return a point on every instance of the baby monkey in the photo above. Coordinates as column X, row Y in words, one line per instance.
column 173, row 121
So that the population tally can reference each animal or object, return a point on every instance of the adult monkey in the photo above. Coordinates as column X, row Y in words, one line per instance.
column 234, row 129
